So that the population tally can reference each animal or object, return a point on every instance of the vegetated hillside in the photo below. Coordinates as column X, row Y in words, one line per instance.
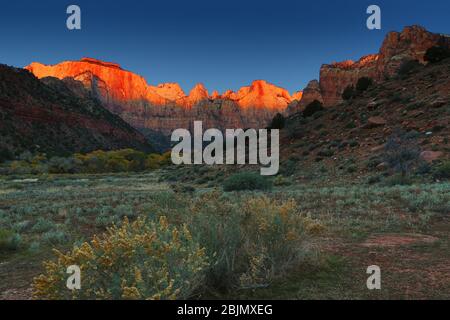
column 354, row 132
column 47, row 116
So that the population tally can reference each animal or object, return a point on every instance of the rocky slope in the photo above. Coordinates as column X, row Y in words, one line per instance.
column 410, row 44
column 352, row 134
column 47, row 116
column 166, row 107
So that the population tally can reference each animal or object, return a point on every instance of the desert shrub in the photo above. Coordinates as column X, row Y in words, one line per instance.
column 374, row 179
column 428, row 202
column 139, row 260
column 153, row 161
column 363, row 84
column 325, row 153
column 351, row 125
column 61, row 165
column 353, row 143
column 246, row 181
column 397, row 180
column 9, row 240
column 5, row 154
column 352, row 168
column 442, row 171
column 437, row 54
column 402, row 152
column 278, row 122
column 252, row 241
column 281, row 181
column 313, row 107
column 408, row 67
column 19, row 167
column 54, row 237
column 349, row 92
column 43, row 225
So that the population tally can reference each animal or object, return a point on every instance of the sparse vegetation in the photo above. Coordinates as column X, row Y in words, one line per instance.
column 246, row 181
column 402, row 152
column 442, row 171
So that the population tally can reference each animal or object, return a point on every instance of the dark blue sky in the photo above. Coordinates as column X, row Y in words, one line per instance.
column 224, row 44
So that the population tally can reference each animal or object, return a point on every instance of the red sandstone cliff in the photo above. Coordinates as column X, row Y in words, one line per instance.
column 410, row 44
column 166, row 107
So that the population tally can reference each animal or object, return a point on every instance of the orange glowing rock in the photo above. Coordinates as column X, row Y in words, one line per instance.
column 170, row 91
column 197, row 94
column 262, row 94
column 121, row 85
column 297, row 95
column 114, row 85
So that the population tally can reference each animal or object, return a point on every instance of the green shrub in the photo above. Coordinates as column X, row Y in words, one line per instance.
column 43, row 225
column 442, row 171
column 397, row 180
column 281, row 181
column 325, row 153
column 402, row 151
column 246, row 181
column 374, row 179
column 278, row 122
column 138, row 260
column 53, row 237
column 352, row 168
column 437, row 54
column 9, row 240
column 363, row 84
column 5, row 155
column 312, row 108
column 349, row 92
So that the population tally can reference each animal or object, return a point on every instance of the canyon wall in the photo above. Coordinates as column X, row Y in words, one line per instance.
column 166, row 107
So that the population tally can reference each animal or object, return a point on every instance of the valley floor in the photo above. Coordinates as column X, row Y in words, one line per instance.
column 403, row 229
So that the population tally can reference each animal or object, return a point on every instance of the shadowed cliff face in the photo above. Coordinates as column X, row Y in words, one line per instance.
column 166, row 107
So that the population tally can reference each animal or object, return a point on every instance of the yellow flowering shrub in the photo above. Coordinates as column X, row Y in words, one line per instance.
column 138, row 260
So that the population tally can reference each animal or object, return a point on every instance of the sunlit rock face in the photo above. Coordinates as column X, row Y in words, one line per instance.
column 166, row 107
column 262, row 94
column 410, row 44
column 334, row 78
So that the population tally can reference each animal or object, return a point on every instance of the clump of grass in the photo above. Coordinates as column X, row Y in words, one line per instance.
column 398, row 180
column 43, row 225
column 9, row 241
column 246, row 181
column 442, row 171
column 54, row 237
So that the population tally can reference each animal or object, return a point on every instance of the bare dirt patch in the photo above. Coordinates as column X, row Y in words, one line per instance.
column 400, row 239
